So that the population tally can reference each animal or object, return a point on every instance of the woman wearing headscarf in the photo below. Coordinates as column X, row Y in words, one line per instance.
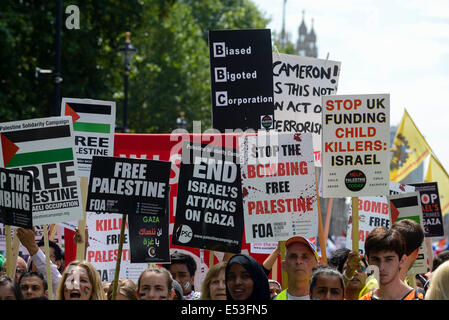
column 246, row 279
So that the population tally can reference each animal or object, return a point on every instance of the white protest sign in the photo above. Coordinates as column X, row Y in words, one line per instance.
column 45, row 148
column 93, row 127
column 355, row 146
column 278, row 185
column 374, row 212
column 299, row 84
column 57, row 238
column 408, row 206
column 263, row 247
column 104, row 235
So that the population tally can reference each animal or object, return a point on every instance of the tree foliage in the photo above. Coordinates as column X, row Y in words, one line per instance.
column 169, row 74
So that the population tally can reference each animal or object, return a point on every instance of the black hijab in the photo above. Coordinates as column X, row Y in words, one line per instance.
column 261, row 289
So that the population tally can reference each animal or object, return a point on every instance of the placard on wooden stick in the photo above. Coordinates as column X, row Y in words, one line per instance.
column 355, row 146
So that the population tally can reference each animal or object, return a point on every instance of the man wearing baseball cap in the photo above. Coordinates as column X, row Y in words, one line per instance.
column 300, row 258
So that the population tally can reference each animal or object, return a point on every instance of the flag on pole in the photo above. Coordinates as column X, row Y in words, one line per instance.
column 409, row 149
column 436, row 173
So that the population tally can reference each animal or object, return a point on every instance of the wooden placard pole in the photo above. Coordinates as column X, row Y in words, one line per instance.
column 15, row 248
column 355, row 224
column 412, row 280
column 274, row 270
column 52, row 232
column 10, row 267
column 328, row 218
column 47, row 262
column 323, row 240
column 211, row 258
column 81, row 246
column 119, row 258
column 429, row 252
column 284, row 274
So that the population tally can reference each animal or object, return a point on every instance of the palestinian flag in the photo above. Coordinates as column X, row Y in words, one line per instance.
column 36, row 144
column 90, row 115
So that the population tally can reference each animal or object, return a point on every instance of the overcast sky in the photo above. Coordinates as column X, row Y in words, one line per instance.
column 385, row 46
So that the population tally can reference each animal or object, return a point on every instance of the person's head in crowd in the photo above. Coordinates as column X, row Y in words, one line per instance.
column 179, row 294
column 357, row 281
column 275, row 288
column 155, row 283
column 246, row 279
column 300, row 259
column 326, row 284
column 31, row 285
column 439, row 283
column 21, row 268
column 413, row 235
column 126, row 290
column 214, row 284
column 338, row 259
column 56, row 255
column 106, row 286
column 440, row 259
column 385, row 248
column 182, row 268
column 80, row 281
column 7, row 289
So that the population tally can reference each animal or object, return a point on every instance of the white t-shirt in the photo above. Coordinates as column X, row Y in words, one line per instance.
column 290, row 297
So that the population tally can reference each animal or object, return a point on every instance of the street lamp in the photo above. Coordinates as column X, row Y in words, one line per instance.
column 127, row 51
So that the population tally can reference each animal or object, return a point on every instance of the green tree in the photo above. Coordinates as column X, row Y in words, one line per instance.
column 170, row 73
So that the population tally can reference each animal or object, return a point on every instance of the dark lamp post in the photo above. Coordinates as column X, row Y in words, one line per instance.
column 127, row 51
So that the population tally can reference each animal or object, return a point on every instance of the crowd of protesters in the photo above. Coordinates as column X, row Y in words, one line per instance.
column 390, row 253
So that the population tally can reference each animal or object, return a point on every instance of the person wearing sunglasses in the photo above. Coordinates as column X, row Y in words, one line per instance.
column 353, row 268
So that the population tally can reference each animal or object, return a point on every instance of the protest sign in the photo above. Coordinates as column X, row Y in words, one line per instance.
column 149, row 236
column 408, row 206
column 138, row 188
column 93, row 129
column 104, row 236
column 263, row 247
column 16, row 188
column 128, row 186
column 209, row 207
column 299, row 84
column 355, row 146
column 374, row 212
column 45, row 148
column 431, row 209
column 38, row 230
column 241, row 79
column 279, row 189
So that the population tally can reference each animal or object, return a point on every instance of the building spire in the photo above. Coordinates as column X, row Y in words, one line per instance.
column 306, row 44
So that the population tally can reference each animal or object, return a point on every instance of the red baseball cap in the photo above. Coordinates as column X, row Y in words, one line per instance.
column 307, row 243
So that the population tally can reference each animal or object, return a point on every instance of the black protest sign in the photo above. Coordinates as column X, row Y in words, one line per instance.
column 431, row 209
column 16, row 189
column 209, row 211
column 149, row 236
column 241, row 79
column 128, row 186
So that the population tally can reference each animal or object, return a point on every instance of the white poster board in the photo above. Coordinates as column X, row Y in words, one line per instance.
column 44, row 147
column 93, row 128
column 299, row 84
column 104, row 235
column 355, row 146
column 278, row 186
